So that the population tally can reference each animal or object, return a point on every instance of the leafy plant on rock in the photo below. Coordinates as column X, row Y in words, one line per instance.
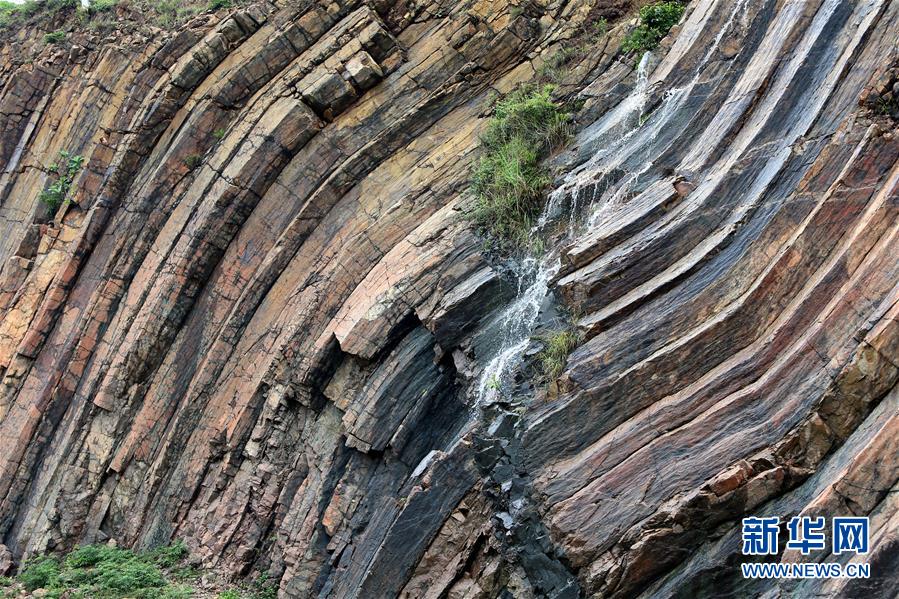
column 55, row 37
column 65, row 168
column 656, row 20
column 40, row 573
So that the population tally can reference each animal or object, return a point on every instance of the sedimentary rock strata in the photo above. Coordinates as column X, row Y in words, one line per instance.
column 261, row 321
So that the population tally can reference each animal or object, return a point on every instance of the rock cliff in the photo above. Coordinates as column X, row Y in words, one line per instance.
column 262, row 322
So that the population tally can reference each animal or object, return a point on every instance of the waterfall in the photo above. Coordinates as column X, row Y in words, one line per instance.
column 625, row 135
column 514, row 325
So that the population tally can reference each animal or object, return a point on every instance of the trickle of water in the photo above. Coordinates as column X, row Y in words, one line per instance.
column 515, row 324
column 616, row 136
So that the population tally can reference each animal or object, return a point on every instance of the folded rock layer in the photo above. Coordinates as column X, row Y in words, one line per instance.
column 255, row 325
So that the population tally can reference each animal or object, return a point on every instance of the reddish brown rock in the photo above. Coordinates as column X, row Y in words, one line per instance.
column 260, row 323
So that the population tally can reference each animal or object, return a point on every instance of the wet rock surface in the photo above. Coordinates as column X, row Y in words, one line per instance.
column 262, row 323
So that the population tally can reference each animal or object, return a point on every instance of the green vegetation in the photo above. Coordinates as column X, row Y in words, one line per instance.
column 102, row 5
column 508, row 180
column 106, row 572
column 554, row 356
column 885, row 105
column 264, row 588
column 554, row 68
column 599, row 28
column 41, row 572
column 558, row 64
column 65, row 168
column 219, row 134
column 166, row 14
column 171, row 13
column 655, row 21
column 54, row 37
column 11, row 13
column 192, row 161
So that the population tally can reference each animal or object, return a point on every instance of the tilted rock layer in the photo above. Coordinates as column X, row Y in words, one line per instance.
column 255, row 326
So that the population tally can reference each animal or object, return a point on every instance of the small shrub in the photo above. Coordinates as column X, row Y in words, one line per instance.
column 169, row 556
column 57, row 5
column 88, row 556
column 185, row 573
column 175, row 592
column 264, row 588
column 508, row 180
column 885, row 103
column 103, row 571
column 65, row 168
column 229, row 594
column 193, row 161
column 219, row 134
column 554, row 355
column 655, row 22
column 12, row 13
column 219, row 4
column 55, row 37
column 103, row 5
column 128, row 576
column 269, row 591
column 599, row 28
column 40, row 573
column 171, row 13
column 9, row 12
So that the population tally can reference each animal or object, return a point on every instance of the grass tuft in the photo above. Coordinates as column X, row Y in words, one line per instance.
column 508, row 180
column 554, row 356
column 168, row 556
column 655, row 22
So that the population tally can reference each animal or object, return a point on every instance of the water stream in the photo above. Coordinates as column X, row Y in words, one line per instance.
column 514, row 325
column 621, row 141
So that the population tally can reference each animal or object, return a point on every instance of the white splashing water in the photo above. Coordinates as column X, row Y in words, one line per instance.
column 617, row 135
column 516, row 323
column 626, row 131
